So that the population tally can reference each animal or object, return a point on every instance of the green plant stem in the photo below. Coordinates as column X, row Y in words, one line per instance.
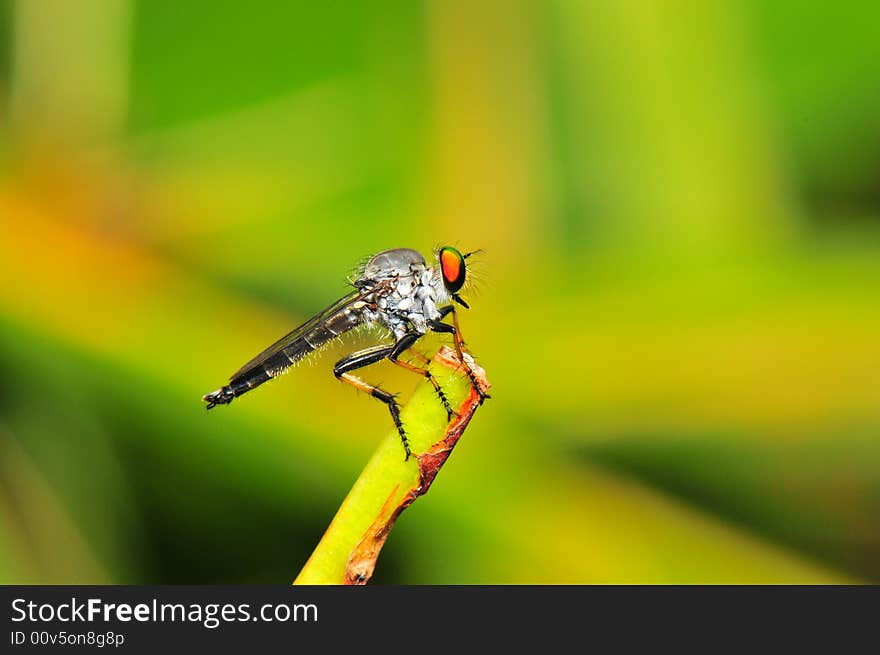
column 348, row 550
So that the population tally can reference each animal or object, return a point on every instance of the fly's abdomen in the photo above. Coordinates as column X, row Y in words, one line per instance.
column 282, row 355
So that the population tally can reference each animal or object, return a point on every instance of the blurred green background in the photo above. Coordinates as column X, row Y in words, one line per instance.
column 679, row 204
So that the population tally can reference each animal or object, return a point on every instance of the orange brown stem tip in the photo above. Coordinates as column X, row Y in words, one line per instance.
column 362, row 561
column 363, row 546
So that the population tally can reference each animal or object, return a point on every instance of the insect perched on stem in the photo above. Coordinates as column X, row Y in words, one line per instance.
column 396, row 290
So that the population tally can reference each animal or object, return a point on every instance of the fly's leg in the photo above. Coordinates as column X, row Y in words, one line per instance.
column 406, row 342
column 365, row 358
column 449, row 411
column 459, row 342
column 437, row 326
column 455, row 331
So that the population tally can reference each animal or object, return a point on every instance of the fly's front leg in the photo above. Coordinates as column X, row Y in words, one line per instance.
column 405, row 343
column 457, row 338
column 365, row 358
column 454, row 330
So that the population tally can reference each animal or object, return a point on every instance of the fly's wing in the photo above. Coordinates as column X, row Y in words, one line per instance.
column 343, row 315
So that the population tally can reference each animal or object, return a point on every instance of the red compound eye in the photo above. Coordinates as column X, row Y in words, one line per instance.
column 452, row 267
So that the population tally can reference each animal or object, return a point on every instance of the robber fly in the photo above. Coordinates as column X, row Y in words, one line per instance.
column 396, row 290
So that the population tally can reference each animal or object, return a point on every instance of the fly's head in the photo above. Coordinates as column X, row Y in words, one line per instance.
column 451, row 273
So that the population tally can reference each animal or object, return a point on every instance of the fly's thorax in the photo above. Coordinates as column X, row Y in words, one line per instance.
column 408, row 303
column 391, row 264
